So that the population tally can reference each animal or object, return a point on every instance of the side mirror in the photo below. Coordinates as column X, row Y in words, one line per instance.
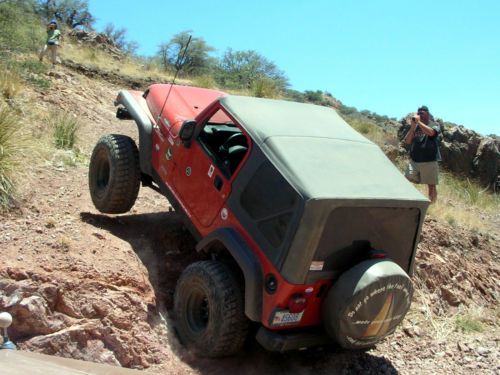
column 187, row 132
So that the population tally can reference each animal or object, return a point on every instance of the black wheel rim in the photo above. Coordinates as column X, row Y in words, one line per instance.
column 197, row 311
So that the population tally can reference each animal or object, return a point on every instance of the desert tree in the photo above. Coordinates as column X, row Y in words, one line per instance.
column 119, row 37
column 72, row 13
column 197, row 60
column 242, row 68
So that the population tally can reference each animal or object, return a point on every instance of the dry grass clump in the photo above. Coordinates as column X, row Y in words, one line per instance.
column 12, row 146
column 205, row 81
column 463, row 202
column 439, row 327
column 371, row 131
column 65, row 127
column 10, row 83
column 265, row 88
column 469, row 192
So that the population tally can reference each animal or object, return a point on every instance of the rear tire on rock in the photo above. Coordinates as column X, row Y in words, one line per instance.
column 209, row 310
column 114, row 174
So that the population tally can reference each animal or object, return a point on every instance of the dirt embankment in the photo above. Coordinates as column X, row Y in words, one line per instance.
column 99, row 287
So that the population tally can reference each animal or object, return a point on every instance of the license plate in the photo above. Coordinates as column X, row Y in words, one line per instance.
column 282, row 318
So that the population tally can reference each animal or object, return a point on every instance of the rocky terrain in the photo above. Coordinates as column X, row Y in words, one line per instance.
column 99, row 287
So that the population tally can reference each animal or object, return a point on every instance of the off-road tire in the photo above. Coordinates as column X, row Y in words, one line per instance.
column 209, row 310
column 114, row 174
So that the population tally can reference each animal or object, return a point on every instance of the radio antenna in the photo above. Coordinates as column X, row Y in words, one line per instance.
column 178, row 66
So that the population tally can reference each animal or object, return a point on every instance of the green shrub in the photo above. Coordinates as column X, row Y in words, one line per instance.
column 316, row 97
column 11, row 147
column 467, row 324
column 39, row 82
column 65, row 127
column 33, row 66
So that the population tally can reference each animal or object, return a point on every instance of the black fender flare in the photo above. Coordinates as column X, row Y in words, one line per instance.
column 144, row 126
column 248, row 263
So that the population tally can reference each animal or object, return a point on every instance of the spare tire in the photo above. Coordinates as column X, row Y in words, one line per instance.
column 367, row 303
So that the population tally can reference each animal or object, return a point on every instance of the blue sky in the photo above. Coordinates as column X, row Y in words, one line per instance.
column 387, row 56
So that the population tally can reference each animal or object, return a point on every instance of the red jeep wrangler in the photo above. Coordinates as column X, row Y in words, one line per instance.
column 310, row 230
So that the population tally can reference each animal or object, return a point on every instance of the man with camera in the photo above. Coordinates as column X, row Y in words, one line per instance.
column 423, row 138
column 54, row 37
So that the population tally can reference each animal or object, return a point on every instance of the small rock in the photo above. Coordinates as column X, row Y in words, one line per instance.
column 482, row 351
column 417, row 331
column 98, row 235
column 474, row 240
column 409, row 330
column 450, row 296
column 16, row 273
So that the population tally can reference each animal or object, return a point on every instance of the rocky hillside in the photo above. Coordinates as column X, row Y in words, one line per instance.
column 99, row 287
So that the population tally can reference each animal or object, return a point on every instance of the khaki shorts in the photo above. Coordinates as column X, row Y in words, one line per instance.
column 423, row 173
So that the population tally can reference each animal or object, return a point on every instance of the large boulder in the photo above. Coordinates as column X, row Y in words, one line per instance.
column 486, row 163
column 93, row 319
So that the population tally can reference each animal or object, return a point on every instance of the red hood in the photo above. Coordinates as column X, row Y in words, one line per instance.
column 184, row 102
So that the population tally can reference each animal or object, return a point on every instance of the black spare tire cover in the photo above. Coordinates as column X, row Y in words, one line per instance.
column 367, row 303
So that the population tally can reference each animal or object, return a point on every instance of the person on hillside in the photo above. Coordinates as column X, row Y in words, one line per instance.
column 423, row 138
column 54, row 38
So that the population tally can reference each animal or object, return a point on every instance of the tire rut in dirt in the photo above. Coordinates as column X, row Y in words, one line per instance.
column 114, row 175
column 210, row 286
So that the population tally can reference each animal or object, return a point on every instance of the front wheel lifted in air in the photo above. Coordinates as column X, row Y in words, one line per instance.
column 114, row 174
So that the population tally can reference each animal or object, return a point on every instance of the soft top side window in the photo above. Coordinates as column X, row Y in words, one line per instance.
column 224, row 142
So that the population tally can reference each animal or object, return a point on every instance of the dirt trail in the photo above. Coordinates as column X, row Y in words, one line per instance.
column 99, row 287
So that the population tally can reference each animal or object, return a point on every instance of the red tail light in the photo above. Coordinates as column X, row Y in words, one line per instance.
column 297, row 303
column 377, row 254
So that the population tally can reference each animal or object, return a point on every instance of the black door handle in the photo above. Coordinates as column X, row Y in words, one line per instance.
column 218, row 182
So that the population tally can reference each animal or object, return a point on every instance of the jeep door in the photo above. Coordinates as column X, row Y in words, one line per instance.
column 205, row 169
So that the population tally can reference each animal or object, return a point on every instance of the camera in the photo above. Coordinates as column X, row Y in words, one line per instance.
column 414, row 118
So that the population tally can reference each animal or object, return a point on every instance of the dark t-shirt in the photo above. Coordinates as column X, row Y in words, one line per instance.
column 425, row 148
